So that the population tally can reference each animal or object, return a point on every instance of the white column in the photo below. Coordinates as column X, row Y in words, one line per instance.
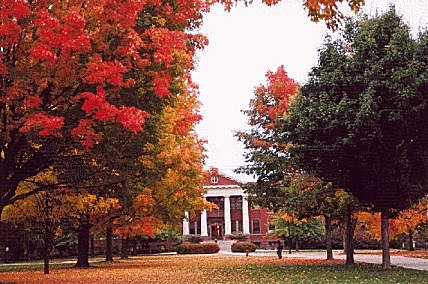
column 186, row 224
column 204, row 229
column 227, row 223
column 245, row 216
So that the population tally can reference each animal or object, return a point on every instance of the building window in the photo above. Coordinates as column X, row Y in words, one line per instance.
column 192, row 228
column 256, row 226
column 195, row 228
column 219, row 201
column 236, row 226
column 236, row 202
column 271, row 227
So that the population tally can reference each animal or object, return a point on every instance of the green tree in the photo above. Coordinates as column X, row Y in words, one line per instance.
column 311, row 197
column 291, row 227
column 266, row 153
column 280, row 186
column 360, row 121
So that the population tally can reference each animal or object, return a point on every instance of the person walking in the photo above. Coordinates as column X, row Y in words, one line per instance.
column 279, row 249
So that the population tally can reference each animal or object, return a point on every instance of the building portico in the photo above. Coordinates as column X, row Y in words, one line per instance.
column 231, row 215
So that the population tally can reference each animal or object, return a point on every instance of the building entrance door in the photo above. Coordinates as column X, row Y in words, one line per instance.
column 216, row 231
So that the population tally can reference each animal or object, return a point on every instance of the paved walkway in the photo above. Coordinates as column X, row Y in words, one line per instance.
column 401, row 261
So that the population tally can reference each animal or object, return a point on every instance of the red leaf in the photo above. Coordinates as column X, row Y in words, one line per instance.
column 46, row 125
column 86, row 133
column 132, row 118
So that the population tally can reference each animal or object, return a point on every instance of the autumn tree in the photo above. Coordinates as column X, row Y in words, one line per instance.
column 266, row 155
column 168, row 133
column 64, row 68
column 360, row 120
column 81, row 76
column 39, row 210
column 406, row 222
column 162, row 204
column 48, row 210
column 292, row 227
column 318, row 10
column 409, row 220
column 280, row 185
column 309, row 197
column 85, row 211
column 73, row 73
column 59, row 71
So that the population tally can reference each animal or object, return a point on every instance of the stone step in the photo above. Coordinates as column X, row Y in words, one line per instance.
column 225, row 245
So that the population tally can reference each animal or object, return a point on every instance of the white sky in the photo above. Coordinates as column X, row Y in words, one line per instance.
column 247, row 42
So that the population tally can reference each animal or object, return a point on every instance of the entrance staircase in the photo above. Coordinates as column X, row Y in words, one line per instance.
column 225, row 245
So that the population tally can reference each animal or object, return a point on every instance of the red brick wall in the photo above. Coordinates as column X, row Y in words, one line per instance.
column 263, row 215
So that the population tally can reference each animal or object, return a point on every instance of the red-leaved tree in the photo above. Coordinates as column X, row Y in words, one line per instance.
column 67, row 68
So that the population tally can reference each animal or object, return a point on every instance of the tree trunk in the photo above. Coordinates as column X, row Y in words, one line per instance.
column 3, row 241
column 83, row 245
column 411, row 247
column 384, row 226
column 109, row 243
column 92, row 247
column 290, row 239
column 47, row 248
column 348, row 235
column 124, row 249
column 27, row 247
column 328, row 240
column 134, row 247
column 297, row 243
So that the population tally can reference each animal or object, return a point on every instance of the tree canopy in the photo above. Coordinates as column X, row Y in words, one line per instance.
column 100, row 93
column 360, row 119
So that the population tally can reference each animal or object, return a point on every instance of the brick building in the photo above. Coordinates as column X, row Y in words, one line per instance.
column 234, row 215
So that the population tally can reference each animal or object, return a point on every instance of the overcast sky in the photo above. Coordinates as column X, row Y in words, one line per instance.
column 247, row 42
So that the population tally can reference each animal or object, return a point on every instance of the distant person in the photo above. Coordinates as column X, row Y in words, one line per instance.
column 279, row 248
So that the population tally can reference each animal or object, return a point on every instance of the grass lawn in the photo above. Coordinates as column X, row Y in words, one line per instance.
column 218, row 269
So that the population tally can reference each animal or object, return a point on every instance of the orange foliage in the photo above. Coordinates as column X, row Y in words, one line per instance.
column 268, row 109
column 318, row 10
column 146, row 226
column 177, row 157
column 292, row 218
column 273, row 99
column 407, row 220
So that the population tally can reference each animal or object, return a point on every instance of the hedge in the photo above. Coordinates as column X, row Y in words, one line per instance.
column 192, row 248
column 243, row 247
column 194, row 239
column 239, row 237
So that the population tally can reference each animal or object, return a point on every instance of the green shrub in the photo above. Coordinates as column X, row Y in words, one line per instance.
column 194, row 239
column 239, row 237
column 243, row 247
column 192, row 248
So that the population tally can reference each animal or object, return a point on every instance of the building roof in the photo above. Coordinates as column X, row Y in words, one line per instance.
column 215, row 178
